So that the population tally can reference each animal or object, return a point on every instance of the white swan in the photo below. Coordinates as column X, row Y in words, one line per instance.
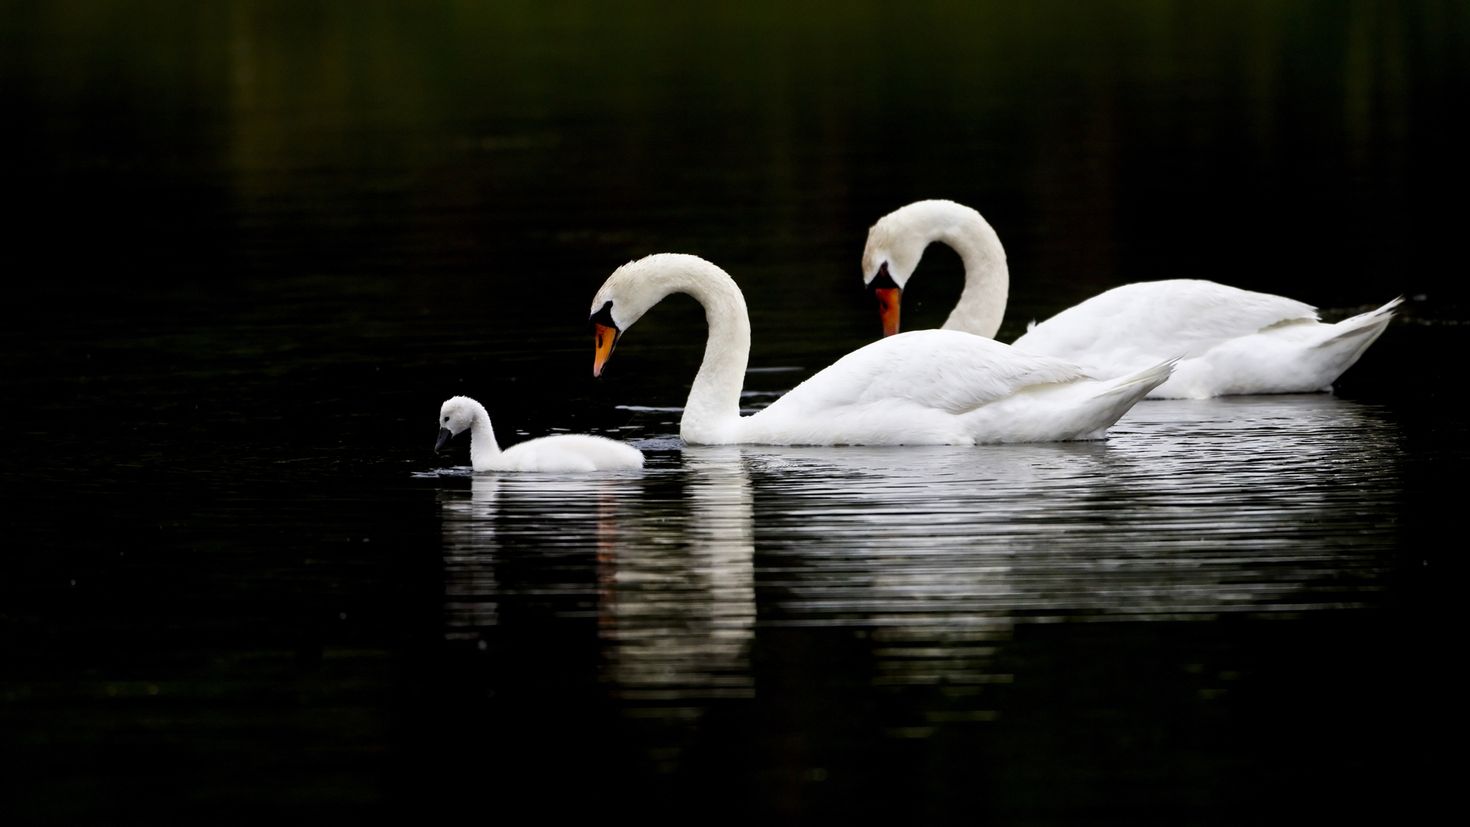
column 926, row 387
column 561, row 452
column 1228, row 341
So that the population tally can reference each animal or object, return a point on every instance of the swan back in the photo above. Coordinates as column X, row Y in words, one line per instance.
column 1157, row 319
column 1230, row 341
column 569, row 453
column 946, row 387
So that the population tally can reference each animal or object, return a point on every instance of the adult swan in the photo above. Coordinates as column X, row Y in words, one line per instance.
column 928, row 387
column 1228, row 341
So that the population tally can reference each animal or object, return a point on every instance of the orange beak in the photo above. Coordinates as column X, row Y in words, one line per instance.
column 607, row 336
column 888, row 299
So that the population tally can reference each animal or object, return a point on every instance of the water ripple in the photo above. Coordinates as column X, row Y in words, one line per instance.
column 1271, row 506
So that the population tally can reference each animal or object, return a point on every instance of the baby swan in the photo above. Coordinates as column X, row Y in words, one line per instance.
column 561, row 452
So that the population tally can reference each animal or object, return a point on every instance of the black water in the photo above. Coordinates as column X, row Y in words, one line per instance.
column 252, row 247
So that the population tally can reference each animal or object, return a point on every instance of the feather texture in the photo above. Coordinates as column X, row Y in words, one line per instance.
column 926, row 387
column 557, row 453
column 1226, row 340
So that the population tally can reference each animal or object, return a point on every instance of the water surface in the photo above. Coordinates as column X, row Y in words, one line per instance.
column 258, row 243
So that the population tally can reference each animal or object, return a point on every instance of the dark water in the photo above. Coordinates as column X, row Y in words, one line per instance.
column 253, row 246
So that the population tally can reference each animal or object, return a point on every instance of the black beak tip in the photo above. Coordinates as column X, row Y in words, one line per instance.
column 444, row 437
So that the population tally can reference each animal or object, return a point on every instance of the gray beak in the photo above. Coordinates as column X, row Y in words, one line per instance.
column 444, row 437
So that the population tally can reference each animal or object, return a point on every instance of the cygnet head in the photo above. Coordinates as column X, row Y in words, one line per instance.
column 456, row 415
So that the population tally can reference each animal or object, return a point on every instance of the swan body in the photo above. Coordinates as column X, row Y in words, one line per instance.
column 929, row 387
column 1227, row 340
column 558, row 453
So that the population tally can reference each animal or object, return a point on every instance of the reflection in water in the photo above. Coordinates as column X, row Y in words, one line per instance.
column 1267, row 506
column 470, row 590
column 677, row 607
column 675, row 597
column 1191, row 510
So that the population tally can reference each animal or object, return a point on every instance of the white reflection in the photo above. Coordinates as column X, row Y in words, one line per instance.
column 679, row 603
column 670, row 557
column 555, row 526
column 471, row 594
column 1190, row 510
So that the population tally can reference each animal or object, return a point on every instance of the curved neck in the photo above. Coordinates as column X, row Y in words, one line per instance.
column 712, row 413
column 982, row 303
column 483, row 447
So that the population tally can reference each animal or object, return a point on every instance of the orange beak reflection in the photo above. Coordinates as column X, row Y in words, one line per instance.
column 888, row 299
column 606, row 337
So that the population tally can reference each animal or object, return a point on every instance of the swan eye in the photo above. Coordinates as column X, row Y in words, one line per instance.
column 446, row 419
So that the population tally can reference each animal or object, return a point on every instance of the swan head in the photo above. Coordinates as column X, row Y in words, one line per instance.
column 896, row 245
column 629, row 293
column 456, row 415
column 605, row 331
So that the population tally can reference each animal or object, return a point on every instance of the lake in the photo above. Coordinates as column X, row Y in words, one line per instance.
column 253, row 246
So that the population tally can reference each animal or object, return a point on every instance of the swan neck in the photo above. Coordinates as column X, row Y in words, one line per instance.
column 982, row 302
column 712, row 412
column 483, row 447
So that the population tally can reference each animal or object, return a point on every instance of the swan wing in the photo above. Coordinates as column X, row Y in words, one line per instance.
column 935, row 370
column 1149, row 321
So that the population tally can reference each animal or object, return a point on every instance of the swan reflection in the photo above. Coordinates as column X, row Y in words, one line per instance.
column 667, row 555
column 678, row 605
column 1190, row 507
column 933, row 557
column 471, row 591
column 1191, row 510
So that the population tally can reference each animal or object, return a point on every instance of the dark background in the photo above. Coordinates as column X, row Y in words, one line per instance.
column 1309, row 148
column 250, row 246
column 395, row 174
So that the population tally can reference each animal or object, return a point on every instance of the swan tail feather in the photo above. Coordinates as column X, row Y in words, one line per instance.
column 1140, row 383
column 1369, row 325
column 1349, row 338
column 1120, row 395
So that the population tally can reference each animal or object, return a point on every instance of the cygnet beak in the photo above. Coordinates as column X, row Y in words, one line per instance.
column 444, row 437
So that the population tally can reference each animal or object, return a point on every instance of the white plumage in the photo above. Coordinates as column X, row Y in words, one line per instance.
column 926, row 387
column 1227, row 340
column 561, row 452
